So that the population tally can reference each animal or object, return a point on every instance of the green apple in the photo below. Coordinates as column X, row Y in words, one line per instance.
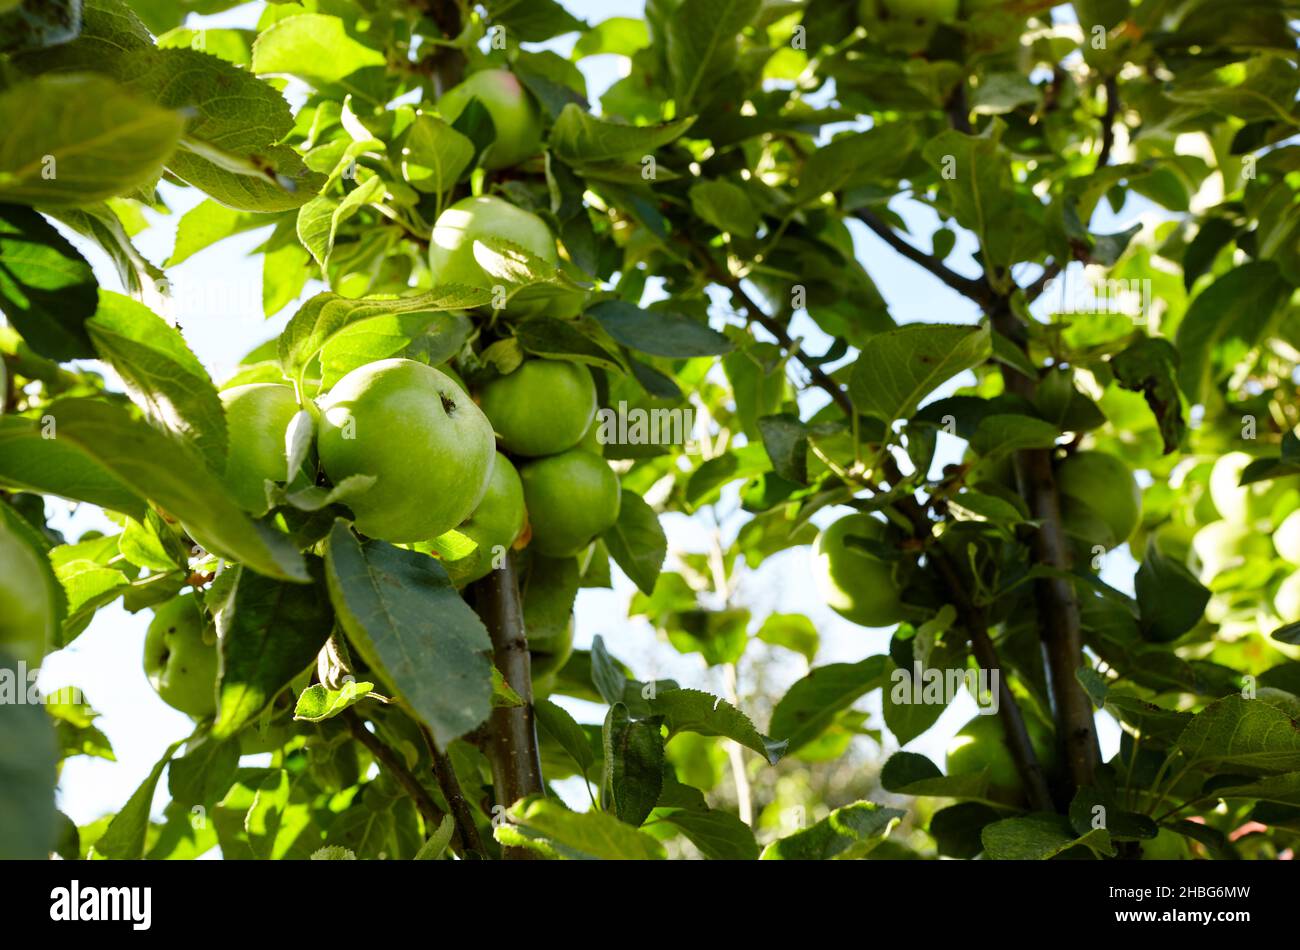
column 1286, row 601
column 1100, row 500
column 179, row 660
column 257, row 418
column 1166, row 846
column 571, row 498
column 550, row 653
column 981, row 744
column 29, row 592
column 256, row 738
column 451, row 247
column 1224, row 545
column 496, row 523
column 855, row 584
column 516, row 117
column 429, row 448
column 542, row 408
column 1244, row 504
column 1286, row 539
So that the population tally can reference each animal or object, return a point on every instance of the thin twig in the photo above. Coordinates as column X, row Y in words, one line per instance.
column 450, row 785
column 977, row 290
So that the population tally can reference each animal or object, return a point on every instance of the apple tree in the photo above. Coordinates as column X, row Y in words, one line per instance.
column 526, row 331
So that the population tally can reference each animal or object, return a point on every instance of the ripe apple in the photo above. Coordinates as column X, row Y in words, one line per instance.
column 542, row 408
column 571, row 498
column 257, row 418
column 854, row 583
column 981, row 743
column 1100, row 500
column 549, row 654
column 180, row 662
column 516, row 117
column 428, row 446
column 1244, row 504
column 29, row 591
column 451, row 247
column 1223, row 545
column 496, row 522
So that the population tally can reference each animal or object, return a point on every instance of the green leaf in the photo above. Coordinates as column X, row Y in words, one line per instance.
column 32, row 458
column 658, row 332
column 909, row 773
column 320, row 50
column 404, row 617
column 1237, row 735
column 318, row 702
column 270, row 632
column 319, row 219
column 1224, row 322
column 435, row 155
column 207, row 223
column 532, row 20
column 1002, row 434
column 637, row 542
column 561, row 339
column 556, row 722
column 1170, row 599
column 100, row 223
column 1038, row 837
column 719, row 835
column 580, row 138
column 620, row 36
column 204, row 774
column 634, row 765
column 327, row 314
column 29, row 762
column 847, row 833
column 792, row 631
column 1150, row 367
column 47, row 290
column 725, row 206
column 161, row 374
column 433, row 849
column 814, row 702
column 77, row 139
column 702, row 45
column 546, row 824
column 124, row 838
column 856, row 158
column 786, row 440
column 691, row 710
column 899, row 368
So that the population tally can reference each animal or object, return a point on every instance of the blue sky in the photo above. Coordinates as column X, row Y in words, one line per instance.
column 217, row 302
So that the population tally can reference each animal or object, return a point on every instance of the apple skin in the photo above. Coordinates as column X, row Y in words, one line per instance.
column 498, row 519
column 1244, row 504
column 857, row 586
column 516, row 117
column 981, row 744
column 428, row 446
column 544, row 407
column 29, row 591
column 180, row 663
column 1100, row 499
column 1286, row 601
column 451, row 246
column 1222, row 545
column 1286, row 539
column 571, row 498
column 257, row 418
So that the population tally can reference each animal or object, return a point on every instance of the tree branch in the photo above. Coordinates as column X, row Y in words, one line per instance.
column 392, row 763
column 460, row 811
column 512, row 739
column 977, row 290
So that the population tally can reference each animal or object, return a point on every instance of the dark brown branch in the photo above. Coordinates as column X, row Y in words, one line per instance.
column 976, row 626
column 512, row 740
column 976, row 289
column 460, row 810
column 392, row 763
column 1108, row 122
column 1050, row 272
column 1059, row 626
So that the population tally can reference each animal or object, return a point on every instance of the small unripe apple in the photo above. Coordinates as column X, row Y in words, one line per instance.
column 1244, row 504
column 1224, row 545
column 495, row 523
column 257, row 418
column 486, row 218
column 981, row 744
column 854, row 582
column 543, row 407
column 571, row 498
column 1100, row 500
column 179, row 659
column 29, row 591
